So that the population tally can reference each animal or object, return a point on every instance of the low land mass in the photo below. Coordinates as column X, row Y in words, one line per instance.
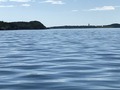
column 21, row 25
column 115, row 25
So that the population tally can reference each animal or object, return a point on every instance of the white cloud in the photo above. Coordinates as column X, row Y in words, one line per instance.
column 20, row 0
column 104, row 8
column 53, row 1
column 3, row 0
column 5, row 6
column 15, row 0
column 25, row 5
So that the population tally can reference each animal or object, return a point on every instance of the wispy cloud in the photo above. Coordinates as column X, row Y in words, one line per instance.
column 15, row 0
column 104, row 8
column 3, row 0
column 53, row 2
column 20, row 0
column 6, row 6
column 25, row 5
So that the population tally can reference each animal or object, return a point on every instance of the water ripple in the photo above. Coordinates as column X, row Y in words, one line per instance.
column 60, row 60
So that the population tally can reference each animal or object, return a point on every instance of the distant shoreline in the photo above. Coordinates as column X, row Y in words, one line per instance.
column 36, row 25
column 115, row 25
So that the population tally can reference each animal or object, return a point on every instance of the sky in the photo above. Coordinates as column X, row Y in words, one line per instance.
column 61, row 12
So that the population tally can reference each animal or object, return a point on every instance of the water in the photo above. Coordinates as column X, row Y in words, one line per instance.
column 81, row 59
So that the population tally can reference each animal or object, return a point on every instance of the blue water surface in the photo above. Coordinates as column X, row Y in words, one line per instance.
column 63, row 59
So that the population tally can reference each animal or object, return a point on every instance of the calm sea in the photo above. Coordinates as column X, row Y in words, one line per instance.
column 75, row 59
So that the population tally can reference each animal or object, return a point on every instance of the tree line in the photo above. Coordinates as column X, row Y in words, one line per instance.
column 115, row 25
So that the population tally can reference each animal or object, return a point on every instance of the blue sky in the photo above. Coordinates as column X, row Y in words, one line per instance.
column 61, row 12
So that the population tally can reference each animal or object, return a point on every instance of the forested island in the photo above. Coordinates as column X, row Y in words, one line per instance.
column 115, row 25
column 21, row 25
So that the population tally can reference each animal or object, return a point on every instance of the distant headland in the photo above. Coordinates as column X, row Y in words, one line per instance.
column 115, row 25
column 21, row 25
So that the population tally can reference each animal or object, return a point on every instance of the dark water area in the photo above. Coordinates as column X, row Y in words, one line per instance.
column 80, row 59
